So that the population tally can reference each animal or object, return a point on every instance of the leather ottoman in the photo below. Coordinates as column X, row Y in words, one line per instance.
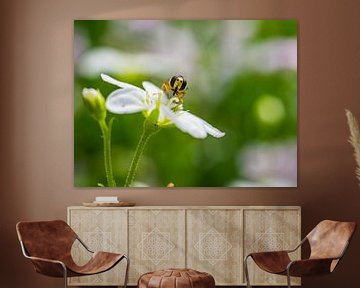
column 176, row 278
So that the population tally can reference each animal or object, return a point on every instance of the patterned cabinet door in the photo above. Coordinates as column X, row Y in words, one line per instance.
column 214, row 244
column 270, row 230
column 101, row 230
column 156, row 240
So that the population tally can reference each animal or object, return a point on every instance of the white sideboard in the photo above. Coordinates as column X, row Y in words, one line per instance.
column 212, row 239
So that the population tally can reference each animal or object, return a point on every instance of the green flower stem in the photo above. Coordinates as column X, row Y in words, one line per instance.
column 148, row 130
column 106, row 135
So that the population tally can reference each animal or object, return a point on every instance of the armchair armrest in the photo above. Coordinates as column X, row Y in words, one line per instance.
column 298, row 246
column 280, row 252
column 83, row 244
column 308, row 267
column 49, row 267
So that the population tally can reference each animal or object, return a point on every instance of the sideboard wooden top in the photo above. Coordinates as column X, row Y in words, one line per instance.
column 193, row 207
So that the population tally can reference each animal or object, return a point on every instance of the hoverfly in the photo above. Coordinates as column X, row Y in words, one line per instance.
column 177, row 85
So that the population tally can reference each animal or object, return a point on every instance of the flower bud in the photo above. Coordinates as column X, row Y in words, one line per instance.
column 95, row 103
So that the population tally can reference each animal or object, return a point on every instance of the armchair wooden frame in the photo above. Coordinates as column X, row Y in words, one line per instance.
column 59, row 267
column 320, row 261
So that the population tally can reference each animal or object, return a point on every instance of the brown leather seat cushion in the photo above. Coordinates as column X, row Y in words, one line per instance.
column 176, row 278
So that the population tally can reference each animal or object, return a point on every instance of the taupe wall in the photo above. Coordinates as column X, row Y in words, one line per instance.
column 36, row 113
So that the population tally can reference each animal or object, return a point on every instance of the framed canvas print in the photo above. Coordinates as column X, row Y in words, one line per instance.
column 185, row 103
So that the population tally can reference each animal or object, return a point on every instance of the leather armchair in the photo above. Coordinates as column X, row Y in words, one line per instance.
column 48, row 245
column 328, row 243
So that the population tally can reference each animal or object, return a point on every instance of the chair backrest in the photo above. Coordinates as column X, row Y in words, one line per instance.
column 46, row 239
column 329, row 239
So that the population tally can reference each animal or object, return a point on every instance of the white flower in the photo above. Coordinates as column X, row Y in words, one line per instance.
column 132, row 99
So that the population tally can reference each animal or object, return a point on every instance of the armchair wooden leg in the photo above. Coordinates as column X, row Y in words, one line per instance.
column 246, row 271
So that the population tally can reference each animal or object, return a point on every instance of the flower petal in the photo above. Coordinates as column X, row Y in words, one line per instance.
column 212, row 130
column 191, row 124
column 125, row 101
column 118, row 83
column 151, row 88
column 186, row 122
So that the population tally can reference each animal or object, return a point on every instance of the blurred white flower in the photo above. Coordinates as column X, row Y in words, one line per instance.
column 153, row 101
column 109, row 60
column 270, row 165
column 272, row 56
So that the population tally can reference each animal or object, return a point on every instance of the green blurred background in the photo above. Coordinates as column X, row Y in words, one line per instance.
column 242, row 79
